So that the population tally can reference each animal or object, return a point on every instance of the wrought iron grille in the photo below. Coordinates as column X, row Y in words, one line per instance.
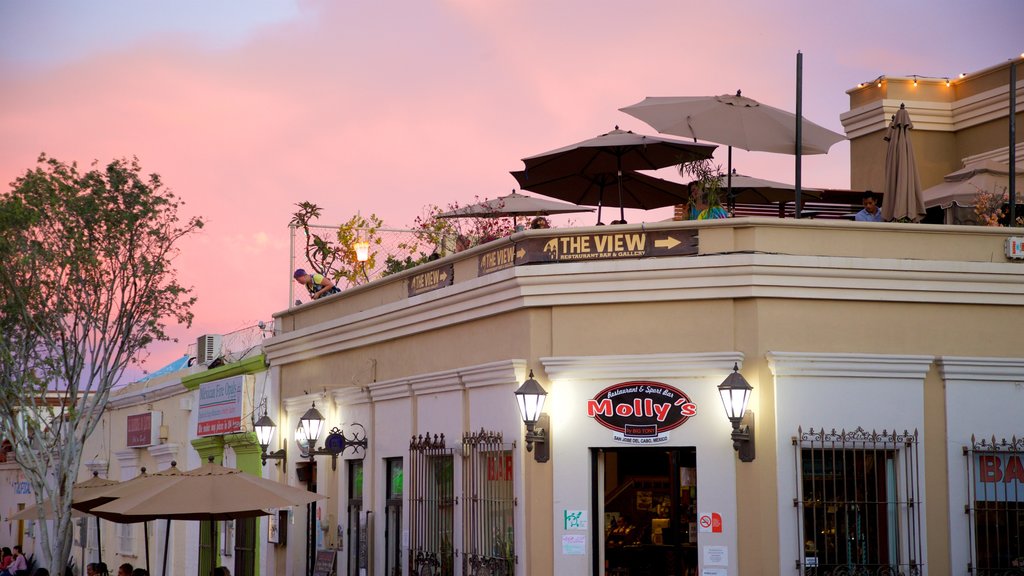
column 995, row 506
column 488, row 505
column 858, row 503
column 431, row 506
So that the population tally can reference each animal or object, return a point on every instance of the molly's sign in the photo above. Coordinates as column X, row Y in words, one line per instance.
column 641, row 412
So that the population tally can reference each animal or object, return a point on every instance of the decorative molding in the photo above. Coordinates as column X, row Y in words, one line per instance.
column 981, row 369
column 509, row 372
column 842, row 365
column 97, row 467
column 504, row 372
column 133, row 397
column 128, row 462
column 351, row 395
column 164, row 454
column 620, row 367
column 741, row 275
column 296, row 403
column 209, row 446
column 1001, row 155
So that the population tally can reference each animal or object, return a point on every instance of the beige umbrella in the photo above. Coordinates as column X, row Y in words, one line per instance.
column 513, row 205
column 84, row 495
column 210, row 492
column 902, row 195
column 751, row 190
column 961, row 188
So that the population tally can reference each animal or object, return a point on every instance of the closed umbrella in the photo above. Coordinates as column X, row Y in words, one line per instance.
column 733, row 120
column 610, row 156
column 638, row 190
column 902, row 185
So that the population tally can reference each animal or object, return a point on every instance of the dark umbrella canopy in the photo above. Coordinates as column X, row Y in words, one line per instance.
column 611, row 155
column 638, row 190
column 902, row 184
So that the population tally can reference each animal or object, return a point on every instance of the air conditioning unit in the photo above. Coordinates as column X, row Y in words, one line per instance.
column 208, row 348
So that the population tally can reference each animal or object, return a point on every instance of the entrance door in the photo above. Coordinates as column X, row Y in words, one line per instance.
column 647, row 498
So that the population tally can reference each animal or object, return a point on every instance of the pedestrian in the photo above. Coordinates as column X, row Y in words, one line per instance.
column 19, row 563
column 870, row 212
column 125, row 569
column 317, row 284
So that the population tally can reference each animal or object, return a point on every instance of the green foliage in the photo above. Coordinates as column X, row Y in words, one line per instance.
column 357, row 228
column 708, row 176
column 321, row 253
column 87, row 283
column 394, row 265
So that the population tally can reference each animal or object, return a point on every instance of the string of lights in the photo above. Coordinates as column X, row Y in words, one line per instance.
column 916, row 78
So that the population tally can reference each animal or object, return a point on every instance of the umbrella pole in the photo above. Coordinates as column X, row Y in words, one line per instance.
column 728, row 179
column 622, row 209
column 99, row 541
column 600, row 201
column 167, row 543
column 799, row 126
column 1013, row 144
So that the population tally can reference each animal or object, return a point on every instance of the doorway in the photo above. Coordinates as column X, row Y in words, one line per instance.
column 646, row 500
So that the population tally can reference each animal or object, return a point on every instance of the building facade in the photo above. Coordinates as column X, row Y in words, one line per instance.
column 881, row 358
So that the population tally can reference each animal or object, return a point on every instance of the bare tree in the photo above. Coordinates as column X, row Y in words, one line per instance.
column 87, row 281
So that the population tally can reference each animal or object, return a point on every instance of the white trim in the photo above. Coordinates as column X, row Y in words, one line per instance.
column 350, row 396
column 503, row 372
column 164, row 454
column 980, row 368
column 663, row 279
column 436, row 383
column 128, row 398
column 617, row 367
column 306, row 401
column 128, row 462
column 930, row 115
column 841, row 365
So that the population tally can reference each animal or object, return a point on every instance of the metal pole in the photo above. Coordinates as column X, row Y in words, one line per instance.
column 728, row 178
column 291, row 265
column 145, row 537
column 167, row 543
column 310, row 518
column 799, row 126
column 622, row 209
column 1013, row 142
column 99, row 541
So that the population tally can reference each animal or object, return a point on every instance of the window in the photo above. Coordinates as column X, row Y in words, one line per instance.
column 488, row 506
column 431, row 507
column 207, row 547
column 245, row 546
column 857, row 502
column 393, row 490
column 355, row 508
column 996, row 506
column 126, row 539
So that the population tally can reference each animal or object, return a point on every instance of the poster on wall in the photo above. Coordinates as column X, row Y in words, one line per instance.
column 220, row 406
column 641, row 412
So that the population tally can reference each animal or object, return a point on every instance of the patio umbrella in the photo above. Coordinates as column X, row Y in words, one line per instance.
column 733, row 120
column 751, row 190
column 961, row 188
column 638, row 190
column 513, row 205
column 612, row 154
column 902, row 185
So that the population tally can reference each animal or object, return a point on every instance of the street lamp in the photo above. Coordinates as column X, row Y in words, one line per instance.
column 735, row 392
column 264, row 428
column 530, row 398
column 362, row 248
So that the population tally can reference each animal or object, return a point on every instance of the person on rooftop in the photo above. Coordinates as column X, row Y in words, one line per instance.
column 539, row 223
column 870, row 212
column 317, row 284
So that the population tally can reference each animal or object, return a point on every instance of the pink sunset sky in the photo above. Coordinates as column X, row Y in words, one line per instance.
column 246, row 107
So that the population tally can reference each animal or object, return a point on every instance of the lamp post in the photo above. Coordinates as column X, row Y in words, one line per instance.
column 362, row 248
column 530, row 398
column 735, row 392
column 264, row 428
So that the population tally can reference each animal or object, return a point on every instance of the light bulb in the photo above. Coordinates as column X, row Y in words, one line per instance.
column 947, row 82
column 963, row 74
column 879, row 84
column 915, row 80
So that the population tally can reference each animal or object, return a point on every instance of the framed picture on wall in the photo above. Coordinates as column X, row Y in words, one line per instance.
column 274, row 527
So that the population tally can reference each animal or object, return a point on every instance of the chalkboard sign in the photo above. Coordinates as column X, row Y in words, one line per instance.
column 324, row 565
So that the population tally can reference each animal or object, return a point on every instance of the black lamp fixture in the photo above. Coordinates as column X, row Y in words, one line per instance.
column 264, row 428
column 530, row 398
column 735, row 392
column 310, row 426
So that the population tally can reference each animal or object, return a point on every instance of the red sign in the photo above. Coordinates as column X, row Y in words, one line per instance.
column 641, row 412
column 140, row 430
column 499, row 467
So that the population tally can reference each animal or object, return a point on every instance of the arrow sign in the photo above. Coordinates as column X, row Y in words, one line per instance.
column 668, row 242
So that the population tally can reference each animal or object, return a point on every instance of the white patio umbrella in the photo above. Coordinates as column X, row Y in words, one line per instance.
column 513, row 205
column 902, row 184
column 733, row 120
column 961, row 188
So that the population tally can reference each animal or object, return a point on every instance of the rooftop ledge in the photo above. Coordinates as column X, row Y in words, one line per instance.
column 687, row 239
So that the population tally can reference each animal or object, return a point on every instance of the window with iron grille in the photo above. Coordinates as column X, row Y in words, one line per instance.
column 995, row 506
column 431, row 507
column 488, row 506
column 858, row 503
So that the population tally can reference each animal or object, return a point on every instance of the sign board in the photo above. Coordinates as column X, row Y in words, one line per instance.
column 220, row 406
column 1014, row 247
column 575, row 520
column 710, row 522
column 607, row 245
column 999, row 477
column 499, row 259
column 574, row 545
column 324, row 565
column 143, row 429
column 432, row 279
column 716, row 555
column 641, row 412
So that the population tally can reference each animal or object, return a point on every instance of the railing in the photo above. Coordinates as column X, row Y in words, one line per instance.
column 995, row 506
column 431, row 506
column 488, row 539
column 858, row 503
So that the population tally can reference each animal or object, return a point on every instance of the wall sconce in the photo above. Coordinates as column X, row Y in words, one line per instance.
column 264, row 428
column 310, row 425
column 735, row 392
column 530, row 398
